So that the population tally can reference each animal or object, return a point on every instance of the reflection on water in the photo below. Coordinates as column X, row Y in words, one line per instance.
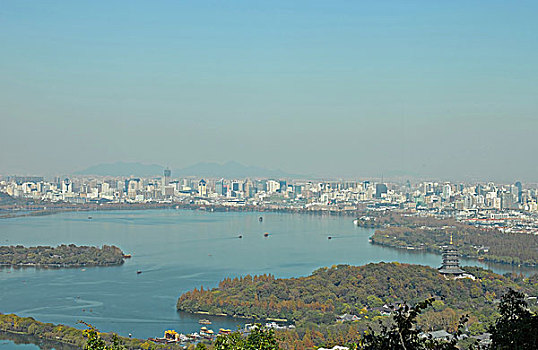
column 176, row 251
column 20, row 342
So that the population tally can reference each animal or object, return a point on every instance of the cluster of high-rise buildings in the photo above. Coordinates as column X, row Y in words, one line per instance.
column 441, row 197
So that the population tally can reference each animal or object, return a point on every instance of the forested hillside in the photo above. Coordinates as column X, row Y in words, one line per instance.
column 357, row 290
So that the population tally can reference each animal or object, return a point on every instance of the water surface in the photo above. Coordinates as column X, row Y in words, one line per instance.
column 176, row 250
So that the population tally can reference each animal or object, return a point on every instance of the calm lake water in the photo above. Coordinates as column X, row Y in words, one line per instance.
column 177, row 251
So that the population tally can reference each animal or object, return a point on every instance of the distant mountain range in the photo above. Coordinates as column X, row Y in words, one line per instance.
column 204, row 169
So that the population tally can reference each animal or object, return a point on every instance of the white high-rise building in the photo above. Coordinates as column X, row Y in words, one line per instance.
column 447, row 191
column 273, row 186
column 202, row 188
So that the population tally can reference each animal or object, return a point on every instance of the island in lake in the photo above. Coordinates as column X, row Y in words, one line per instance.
column 61, row 256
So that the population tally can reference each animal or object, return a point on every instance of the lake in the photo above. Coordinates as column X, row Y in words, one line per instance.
column 176, row 250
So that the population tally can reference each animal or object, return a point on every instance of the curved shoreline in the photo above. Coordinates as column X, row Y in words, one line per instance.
column 255, row 209
column 177, row 206
column 37, row 339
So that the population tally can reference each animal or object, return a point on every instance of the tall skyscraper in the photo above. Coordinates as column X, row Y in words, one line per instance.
column 166, row 180
column 67, row 186
column 380, row 189
column 273, row 186
column 519, row 191
column 202, row 188
column 236, row 186
column 282, row 185
column 447, row 191
column 247, row 188
column 507, row 200
column 220, row 188
column 167, row 174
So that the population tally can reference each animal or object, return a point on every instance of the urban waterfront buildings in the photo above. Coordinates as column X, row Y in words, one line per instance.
column 508, row 207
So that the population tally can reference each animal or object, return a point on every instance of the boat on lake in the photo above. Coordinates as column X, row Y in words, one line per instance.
column 204, row 321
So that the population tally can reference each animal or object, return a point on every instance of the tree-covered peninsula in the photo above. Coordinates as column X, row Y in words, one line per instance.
column 61, row 256
column 362, row 291
column 431, row 234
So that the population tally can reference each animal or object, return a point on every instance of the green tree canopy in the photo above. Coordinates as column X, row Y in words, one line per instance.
column 517, row 327
column 260, row 338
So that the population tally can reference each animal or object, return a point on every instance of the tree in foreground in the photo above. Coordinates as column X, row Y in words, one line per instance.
column 95, row 342
column 403, row 333
column 260, row 338
column 517, row 327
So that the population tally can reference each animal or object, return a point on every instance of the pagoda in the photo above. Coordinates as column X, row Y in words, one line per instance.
column 451, row 261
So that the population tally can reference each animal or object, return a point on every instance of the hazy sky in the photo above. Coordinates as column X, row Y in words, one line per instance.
column 447, row 89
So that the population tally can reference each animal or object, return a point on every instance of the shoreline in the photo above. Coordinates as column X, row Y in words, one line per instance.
column 55, row 266
column 238, row 317
column 255, row 209
column 64, row 334
column 31, row 335
column 175, row 205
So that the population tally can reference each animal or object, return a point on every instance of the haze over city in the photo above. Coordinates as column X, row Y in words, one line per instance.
column 345, row 89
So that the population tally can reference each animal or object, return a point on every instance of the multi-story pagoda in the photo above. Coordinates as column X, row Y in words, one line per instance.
column 451, row 261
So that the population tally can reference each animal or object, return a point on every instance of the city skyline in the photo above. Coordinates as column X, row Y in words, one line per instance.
column 334, row 90
column 234, row 169
column 506, row 203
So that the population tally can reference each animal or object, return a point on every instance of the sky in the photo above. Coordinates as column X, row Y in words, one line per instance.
column 440, row 89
